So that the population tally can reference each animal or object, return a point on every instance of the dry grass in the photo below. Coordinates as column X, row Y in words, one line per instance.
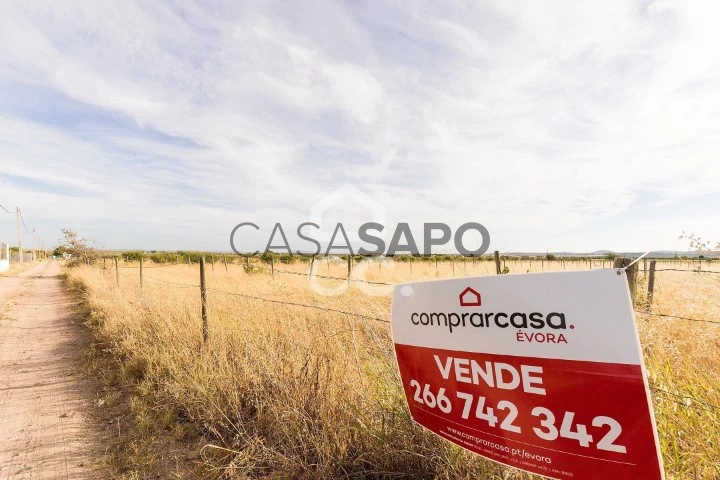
column 292, row 392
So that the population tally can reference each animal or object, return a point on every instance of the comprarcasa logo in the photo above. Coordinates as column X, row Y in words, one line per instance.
column 552, row 324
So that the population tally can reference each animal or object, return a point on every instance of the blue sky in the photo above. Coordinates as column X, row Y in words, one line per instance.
column 161, row 125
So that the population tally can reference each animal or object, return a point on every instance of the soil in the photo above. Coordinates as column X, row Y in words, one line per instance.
column 46, row 404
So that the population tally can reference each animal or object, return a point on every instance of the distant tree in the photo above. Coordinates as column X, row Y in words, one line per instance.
column 550, row 257
column 80, row 249
column 611, row 256
column 699, row 245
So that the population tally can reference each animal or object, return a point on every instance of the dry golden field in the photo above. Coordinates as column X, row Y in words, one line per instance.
column 288, row 391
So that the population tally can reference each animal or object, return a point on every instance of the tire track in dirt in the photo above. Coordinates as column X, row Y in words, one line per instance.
column 44, row 432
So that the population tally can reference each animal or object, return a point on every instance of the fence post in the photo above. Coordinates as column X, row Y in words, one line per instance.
column 141, row 279
column 188, row 260
column 272, row 266
column 312, row 264
column 631, row 275
column 117, row 273
column 247, row 262
column 651, row 285
column 203, row 300
column 498, row 270
column 225, row 261
column 104, row 264
column 349, row 265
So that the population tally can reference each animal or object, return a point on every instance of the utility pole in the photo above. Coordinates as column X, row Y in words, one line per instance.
column 20, row 253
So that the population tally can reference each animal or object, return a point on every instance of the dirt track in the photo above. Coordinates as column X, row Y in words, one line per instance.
column 43, row 399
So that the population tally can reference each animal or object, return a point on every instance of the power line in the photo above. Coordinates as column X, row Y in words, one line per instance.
column 8, row 211
column 23, row 221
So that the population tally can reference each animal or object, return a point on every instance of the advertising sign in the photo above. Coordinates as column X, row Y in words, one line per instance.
column 542, row 372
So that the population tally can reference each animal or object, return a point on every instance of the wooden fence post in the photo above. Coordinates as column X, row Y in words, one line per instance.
column 188, row 260
column 498, row 270
column 141, row 279
column 651, row 285
column 203, row 300
column 225, row 261
column 117, row 273
column 631, row 275
column 349, row 266
column 272, row 266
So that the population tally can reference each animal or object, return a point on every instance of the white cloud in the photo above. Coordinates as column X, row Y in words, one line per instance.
column 516, row 115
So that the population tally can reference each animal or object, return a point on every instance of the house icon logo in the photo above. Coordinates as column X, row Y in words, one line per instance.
column 470, row 298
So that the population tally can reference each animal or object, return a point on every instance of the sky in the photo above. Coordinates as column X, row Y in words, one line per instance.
column 559, row 126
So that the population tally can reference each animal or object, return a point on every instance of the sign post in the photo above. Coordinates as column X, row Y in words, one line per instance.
column 542, row 372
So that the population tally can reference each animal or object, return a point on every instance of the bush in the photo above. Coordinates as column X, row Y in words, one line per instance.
column 133, row 256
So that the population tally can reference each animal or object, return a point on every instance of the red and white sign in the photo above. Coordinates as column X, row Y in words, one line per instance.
column 542, row 372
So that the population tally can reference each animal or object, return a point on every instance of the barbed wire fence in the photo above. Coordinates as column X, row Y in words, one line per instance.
column 687, row 401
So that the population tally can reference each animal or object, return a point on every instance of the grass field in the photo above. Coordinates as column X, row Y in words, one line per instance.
column 285, row 391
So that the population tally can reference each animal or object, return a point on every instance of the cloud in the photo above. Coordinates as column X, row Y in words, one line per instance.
column 530, row 116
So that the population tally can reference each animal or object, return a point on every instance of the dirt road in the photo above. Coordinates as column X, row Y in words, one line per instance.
column 44, row 432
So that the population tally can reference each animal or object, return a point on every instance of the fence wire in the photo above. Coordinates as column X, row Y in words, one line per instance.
column 685, row 400
column 295, row 304
column 265, row 299
column 344, row 279
column 685, row 270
